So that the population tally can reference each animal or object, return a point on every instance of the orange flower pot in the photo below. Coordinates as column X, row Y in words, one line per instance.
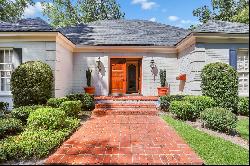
column 162, row 91
column 90, row 90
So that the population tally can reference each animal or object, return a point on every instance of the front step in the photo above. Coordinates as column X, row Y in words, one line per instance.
column 124, row 105
column 125, row 111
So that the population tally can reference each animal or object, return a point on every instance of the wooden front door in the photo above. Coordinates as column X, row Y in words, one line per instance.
column 118, row 76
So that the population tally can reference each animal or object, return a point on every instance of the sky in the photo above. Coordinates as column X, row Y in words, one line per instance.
column 172, row 12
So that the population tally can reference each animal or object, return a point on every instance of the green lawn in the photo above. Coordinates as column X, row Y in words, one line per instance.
column 243, row 128
column 213, row 150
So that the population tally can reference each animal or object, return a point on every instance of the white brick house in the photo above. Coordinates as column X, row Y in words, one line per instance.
column 125, row 49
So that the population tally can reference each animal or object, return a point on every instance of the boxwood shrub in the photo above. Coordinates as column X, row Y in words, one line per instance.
column 31, row 83
column 166, row 100
column 23, row 112
column 46, row 118
column 71, row 108
column 200, row 103
column 10, row 126
column 220, row 81
column 35, row 144
column 87, row 100
column 183, row 110
column 243, row 106
column 56, row 102
column 31, row 144
column 219, row 119
column 3, row 108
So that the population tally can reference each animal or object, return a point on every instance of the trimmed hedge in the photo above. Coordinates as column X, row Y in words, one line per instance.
column 219, row 119
column 220, row 81
column 3, row 108
column 183, row 110
column 166, row 100
column 35, row 144
column 56, row 102
column 46, row 118
column 71, row 108
column 243, row 106
column 87, row 100
column 31, row 144
column 23, row 112
column 200, row 102
column 10, row 126
column 31, row 83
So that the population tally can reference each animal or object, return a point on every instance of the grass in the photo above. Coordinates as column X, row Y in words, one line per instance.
column 243, row 128
column 213, row 150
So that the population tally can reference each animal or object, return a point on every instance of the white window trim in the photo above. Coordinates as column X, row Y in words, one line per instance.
column 6, row 93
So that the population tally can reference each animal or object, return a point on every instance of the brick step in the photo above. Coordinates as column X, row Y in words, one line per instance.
column 125, row 102
column 126, row 98
column 125, row 111
column 124, row 105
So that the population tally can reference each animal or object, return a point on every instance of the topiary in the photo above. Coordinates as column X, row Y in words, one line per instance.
column 9, row 126
column 31, row 83
column 71, row 108
column 220, row 81
column 166, row 100
column 219, row 119
column 163, row 77
column 56, row 102
column 243, row 106
column 200, row 102
column 183, row 110
column 3, row 108
column 46, row 118
column 88, row 102
column 23, row 112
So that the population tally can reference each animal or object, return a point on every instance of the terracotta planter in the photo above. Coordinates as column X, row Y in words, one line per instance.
column 90, row 90
column 162, row 91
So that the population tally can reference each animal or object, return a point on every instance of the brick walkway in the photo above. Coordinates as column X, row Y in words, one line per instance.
column 125, row 139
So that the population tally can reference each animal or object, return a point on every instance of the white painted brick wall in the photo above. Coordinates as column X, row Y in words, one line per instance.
column 43, row 51
column 63, row 71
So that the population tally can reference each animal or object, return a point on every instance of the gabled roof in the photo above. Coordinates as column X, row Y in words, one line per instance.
column 223, row 27
column 123, row 32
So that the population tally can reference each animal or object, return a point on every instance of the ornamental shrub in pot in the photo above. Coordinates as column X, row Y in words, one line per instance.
column 89, row 89
column 163, row 90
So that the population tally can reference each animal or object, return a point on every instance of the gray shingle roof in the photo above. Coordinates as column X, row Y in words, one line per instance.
column 24, row 25
column 125, row 32
column 223, row 27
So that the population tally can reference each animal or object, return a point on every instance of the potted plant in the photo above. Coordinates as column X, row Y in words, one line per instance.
column 163, row 90
column 89, row 89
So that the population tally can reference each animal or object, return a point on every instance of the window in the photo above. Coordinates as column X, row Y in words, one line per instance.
column 243, row 70
column 5, row 69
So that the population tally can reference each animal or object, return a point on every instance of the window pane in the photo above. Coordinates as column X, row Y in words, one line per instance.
column 3, row 84
column 7, row 67
column 1, row 67
column 2, row 74
column 1, row 56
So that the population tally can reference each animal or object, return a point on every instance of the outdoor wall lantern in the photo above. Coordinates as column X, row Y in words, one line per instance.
column 99, row 66
column 152, row 65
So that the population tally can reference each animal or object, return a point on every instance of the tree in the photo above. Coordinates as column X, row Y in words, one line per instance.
column 225, row 10
column 63, row 13
column 12, row 10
